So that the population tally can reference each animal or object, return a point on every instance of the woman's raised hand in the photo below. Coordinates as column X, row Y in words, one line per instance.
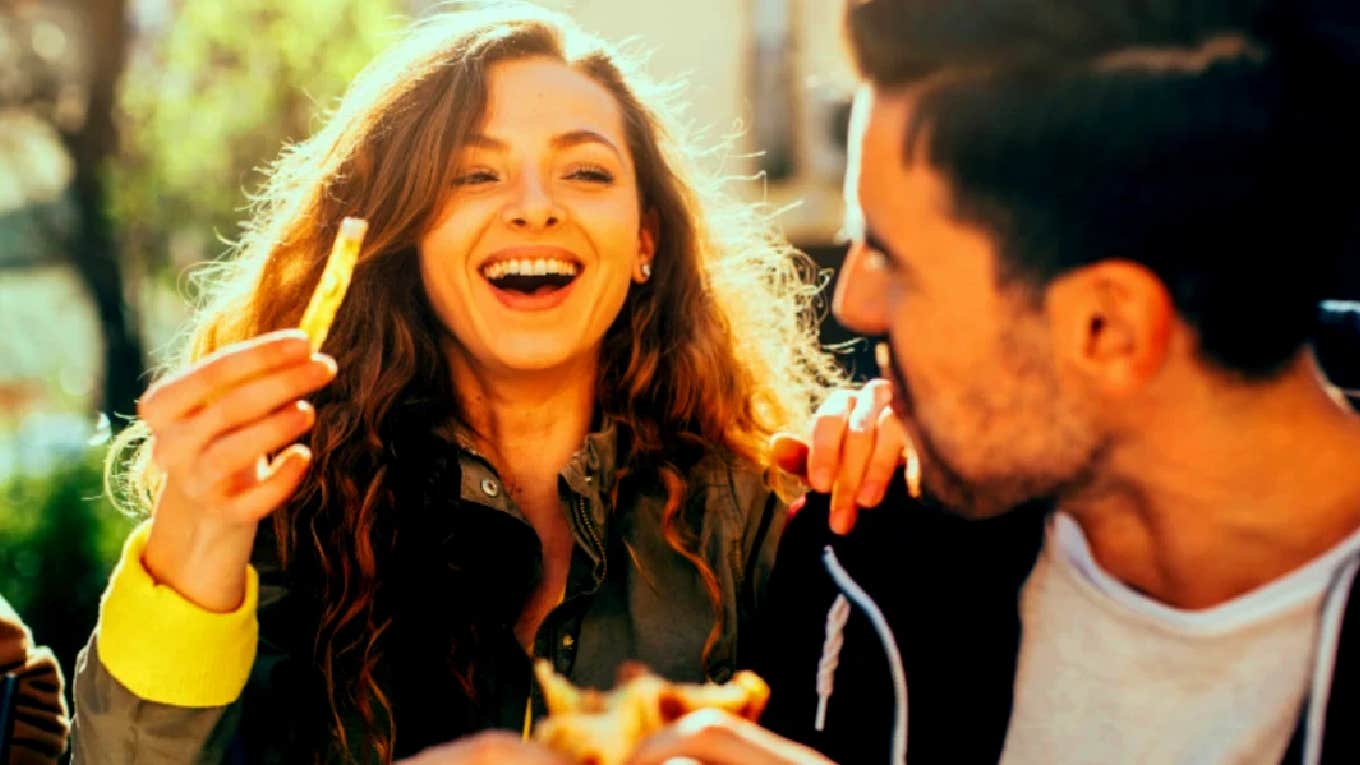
column 212, row 426
column 850, row 450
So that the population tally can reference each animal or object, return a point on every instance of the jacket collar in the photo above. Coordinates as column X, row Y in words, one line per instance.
column 589, row 473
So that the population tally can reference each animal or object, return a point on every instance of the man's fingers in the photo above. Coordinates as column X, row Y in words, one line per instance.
column 179, row 395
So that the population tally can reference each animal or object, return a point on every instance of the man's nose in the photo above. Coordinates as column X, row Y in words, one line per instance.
column 532, row 207
column 860, row 302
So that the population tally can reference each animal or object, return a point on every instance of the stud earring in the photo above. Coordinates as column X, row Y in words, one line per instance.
column 646, row 270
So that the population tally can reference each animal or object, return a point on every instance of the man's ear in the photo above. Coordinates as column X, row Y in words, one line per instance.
column 1113, row 322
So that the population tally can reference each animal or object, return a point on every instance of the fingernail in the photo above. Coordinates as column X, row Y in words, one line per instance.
column 297, row 336
column 838, row 523
column 870, row 494
column 327, row 361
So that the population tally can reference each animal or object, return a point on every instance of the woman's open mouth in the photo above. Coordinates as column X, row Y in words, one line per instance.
column 531, row 284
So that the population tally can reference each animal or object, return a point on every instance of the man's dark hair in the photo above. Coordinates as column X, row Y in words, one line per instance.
column 1209, row 141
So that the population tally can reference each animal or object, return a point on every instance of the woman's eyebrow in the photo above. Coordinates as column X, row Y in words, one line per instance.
column 577, row 137
column 560, row 141
column 483, row 141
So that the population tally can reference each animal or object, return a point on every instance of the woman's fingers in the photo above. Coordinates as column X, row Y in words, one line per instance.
column 211, row 425
column 237, row 452
column 889, row 446
column 271, row 489
column 180, row 443
column 857, row 449
column 790, row 454
column 258, row 397
column 181, row 394
column 824, row 442
column 854, row 445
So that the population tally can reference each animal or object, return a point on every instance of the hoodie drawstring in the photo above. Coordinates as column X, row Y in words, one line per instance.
column 861, row 599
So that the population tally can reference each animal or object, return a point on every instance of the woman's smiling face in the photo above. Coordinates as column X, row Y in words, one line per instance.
column 531, row 256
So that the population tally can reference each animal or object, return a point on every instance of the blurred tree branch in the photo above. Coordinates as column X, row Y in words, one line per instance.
column 166, row 118
column 68, row 89
column 94, row 250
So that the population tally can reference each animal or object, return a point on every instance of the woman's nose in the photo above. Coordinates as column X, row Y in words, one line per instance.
column 533, row 207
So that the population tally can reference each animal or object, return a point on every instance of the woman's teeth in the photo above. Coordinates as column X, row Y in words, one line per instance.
column 540, row 267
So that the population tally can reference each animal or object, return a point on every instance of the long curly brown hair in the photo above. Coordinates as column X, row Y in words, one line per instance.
column 718, row 349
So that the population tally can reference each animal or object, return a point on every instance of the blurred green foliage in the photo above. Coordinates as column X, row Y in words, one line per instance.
column 210, row 95
column 211, row 98
column 59, row 538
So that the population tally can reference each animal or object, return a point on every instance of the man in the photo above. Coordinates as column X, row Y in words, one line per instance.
column 1095, row 235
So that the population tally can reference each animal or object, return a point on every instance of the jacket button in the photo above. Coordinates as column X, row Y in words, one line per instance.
column 490, row 488
column 568, row 641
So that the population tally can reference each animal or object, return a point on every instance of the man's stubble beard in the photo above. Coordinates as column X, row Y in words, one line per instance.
column 1068, row 462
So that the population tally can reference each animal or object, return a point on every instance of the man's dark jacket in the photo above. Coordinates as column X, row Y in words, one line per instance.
column 950, row 590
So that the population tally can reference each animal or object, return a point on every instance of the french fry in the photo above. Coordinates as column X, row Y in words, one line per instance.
column 595, row 728
column 560, row 695
column 330, row 290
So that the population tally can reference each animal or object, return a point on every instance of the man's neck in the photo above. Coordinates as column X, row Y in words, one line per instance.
column 1223, row 491
column 528, row 424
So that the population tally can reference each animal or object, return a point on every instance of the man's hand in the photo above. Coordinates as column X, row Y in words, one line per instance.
column 851, row 450
column 713, row 737
column 488, row 748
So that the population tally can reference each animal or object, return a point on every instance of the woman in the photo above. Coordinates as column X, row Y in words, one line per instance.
column 538, row 428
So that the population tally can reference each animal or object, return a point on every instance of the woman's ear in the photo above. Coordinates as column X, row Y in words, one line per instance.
column 647, row 236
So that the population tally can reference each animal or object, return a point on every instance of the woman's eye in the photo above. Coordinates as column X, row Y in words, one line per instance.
column 475, row 177
column 591, row 174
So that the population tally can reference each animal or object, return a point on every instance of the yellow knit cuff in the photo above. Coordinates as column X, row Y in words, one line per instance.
column 164, row 648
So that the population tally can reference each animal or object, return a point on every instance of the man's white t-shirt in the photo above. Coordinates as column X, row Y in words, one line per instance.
column 1107, row 675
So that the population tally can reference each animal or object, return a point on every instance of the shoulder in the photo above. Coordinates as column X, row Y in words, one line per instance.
column 908, row 534
column 732, row 487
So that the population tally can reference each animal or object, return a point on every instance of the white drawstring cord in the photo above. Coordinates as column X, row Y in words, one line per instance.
column 1329, row 635
column 860, row 598
column 831, row 656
